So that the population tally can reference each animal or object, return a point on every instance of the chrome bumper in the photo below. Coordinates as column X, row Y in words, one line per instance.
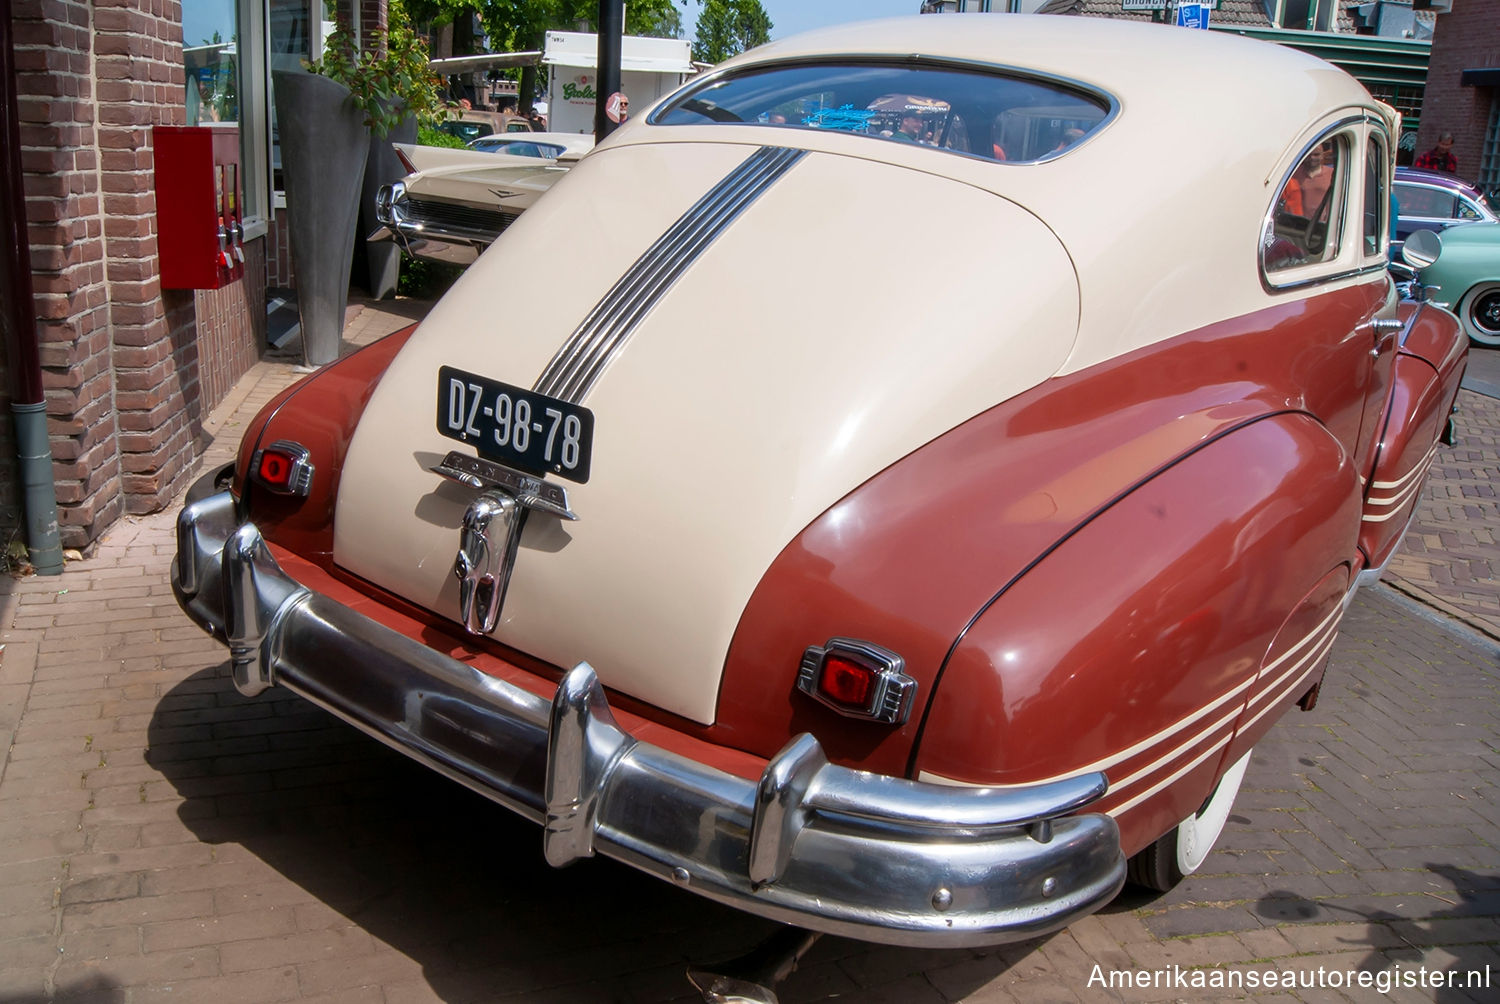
column 432, row 240
column 812, row 844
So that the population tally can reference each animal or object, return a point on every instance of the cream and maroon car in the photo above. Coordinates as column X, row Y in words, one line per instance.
column 937, row 452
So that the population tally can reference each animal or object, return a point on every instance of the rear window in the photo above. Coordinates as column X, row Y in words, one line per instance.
column 982, row 114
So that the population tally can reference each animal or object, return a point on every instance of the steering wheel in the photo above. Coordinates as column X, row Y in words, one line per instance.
column 1316, row 246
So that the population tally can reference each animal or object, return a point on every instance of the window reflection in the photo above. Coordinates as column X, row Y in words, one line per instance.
column 1304, row 226
column 211, row 60
column 980, row 113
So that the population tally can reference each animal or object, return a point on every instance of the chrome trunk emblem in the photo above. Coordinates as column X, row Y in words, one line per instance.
column 491, row 532
column 483, row 565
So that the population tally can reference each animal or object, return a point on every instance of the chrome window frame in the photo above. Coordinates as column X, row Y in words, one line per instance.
column 1360, row 128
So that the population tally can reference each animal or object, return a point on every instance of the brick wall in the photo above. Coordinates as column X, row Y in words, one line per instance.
column 118, row 353
column 60, row 158
column 231, row 327
column 1467, row 38
column 278, row 244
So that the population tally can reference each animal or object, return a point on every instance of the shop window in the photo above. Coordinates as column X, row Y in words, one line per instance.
column 210, row 35
column 230, row 48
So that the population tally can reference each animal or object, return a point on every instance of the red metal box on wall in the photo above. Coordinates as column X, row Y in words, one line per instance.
column 198, row 206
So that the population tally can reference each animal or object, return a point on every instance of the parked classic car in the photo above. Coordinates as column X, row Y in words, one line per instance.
column 473, row 124
column 1433, row 201
column 454, row 203
column 863, row 530
column 1466, row 279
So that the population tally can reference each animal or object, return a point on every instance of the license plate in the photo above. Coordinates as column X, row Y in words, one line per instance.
column 530, row 431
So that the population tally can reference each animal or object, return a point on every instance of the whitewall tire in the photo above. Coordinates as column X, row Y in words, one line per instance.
column 1182, row 851
column 1480, row 312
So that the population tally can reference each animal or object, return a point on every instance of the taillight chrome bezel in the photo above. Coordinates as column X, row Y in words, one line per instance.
column 300, row 468
column 891, row 694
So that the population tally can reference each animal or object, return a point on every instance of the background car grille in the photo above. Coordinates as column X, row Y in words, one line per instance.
column 449, row 215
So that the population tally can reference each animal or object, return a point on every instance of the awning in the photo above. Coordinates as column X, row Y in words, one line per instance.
column 1485, row 77
column 637, row 53
column 465, row 64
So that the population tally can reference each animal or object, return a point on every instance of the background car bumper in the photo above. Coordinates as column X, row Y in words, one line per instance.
column 812, row 844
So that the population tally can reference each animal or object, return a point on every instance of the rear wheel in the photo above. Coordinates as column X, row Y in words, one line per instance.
column 1178, row 854
column 1480, row 312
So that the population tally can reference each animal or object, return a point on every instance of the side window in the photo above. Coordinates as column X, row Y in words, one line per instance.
column 1305, row 221
column 1427, row 203
column 1377, row 198
column 1466, row 211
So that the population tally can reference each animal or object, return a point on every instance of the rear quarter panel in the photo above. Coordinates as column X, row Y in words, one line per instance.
column 1133, row 645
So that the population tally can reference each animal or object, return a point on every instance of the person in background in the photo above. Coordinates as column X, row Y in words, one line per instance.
column 1440, row 157
column 911, row 128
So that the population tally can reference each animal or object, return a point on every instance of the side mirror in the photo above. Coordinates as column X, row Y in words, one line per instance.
column 1421, row 249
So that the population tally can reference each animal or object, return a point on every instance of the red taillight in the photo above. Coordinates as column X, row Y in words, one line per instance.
column 284, row 467
column 405, row 161
column 846, row 682
column 858, row 679
column 275, row 470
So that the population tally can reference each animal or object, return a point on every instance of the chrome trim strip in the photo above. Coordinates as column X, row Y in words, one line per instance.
column 587, row 353
column 811, row 843
column 528, row 490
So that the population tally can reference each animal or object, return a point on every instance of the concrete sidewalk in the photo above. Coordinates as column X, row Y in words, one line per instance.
column 163, row 839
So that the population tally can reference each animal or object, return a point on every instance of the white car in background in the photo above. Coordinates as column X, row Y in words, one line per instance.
column 547, row 145
column 454, row 203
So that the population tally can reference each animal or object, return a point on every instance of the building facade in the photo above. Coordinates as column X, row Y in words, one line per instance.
column 130, row 367
column 1463, row 90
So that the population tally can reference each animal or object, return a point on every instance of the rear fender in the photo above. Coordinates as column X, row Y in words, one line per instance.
column 1134, row 644
column 1429, row 367
column 319, row 413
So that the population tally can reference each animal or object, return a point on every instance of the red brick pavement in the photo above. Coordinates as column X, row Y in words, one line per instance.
column 1450, row 555
column 163, row 839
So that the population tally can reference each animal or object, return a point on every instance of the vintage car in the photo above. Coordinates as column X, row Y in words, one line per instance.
column 1433, row 201
column 454, row 203
column 863, row 530
column 473, row 124
column 1466, row 279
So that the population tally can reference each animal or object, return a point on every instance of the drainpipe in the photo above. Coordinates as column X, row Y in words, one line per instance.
column 18, row 320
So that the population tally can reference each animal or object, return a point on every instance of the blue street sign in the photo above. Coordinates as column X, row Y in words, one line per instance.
column 1193, row 15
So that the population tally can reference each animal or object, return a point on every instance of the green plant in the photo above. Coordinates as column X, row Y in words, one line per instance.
column 390, row 78
column 426, row 280
column 428, row 136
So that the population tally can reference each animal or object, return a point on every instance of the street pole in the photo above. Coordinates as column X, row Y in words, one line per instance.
column 611, row 28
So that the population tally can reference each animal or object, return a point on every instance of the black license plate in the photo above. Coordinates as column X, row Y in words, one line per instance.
column 526, row 430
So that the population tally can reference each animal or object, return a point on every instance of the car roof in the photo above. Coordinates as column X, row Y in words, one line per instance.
column 1129, row 59
column 1115, row 199
column 1412, row 174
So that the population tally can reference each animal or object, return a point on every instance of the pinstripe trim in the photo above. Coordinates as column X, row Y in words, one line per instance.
column 586, row 354
column 1395, row 502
